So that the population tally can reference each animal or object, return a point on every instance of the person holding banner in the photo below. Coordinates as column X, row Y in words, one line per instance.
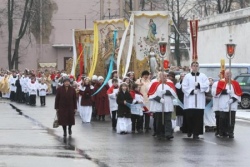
column 194, row 86
column 228, row 103
column 156, row 90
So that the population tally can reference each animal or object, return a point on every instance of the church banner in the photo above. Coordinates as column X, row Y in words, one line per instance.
column 148, row 28
column 83, row 41
column 104, row 45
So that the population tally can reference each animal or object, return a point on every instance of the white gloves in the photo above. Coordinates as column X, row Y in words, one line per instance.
column 229, row 91
column 163, row 92
column 162, row 101
column 230, row 101
column 195, row 92
column 196, row 83
column 178, row 85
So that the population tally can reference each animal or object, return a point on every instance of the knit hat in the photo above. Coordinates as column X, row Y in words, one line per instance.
column 66, row 78
column 94, row 78
column 100, row 78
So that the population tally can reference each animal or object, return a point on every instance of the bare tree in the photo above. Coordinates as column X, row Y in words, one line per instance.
column 24, row 15
column 13, row 55
column 224, row 5
column 44, row 9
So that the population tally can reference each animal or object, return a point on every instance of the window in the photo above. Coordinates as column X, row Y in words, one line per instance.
column 243, row 80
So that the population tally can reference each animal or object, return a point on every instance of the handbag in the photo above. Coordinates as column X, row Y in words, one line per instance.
column 55, row 123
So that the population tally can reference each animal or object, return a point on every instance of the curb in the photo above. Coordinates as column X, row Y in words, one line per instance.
column 243, row 118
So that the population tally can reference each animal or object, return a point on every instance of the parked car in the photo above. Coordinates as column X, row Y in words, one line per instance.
column 244, row 81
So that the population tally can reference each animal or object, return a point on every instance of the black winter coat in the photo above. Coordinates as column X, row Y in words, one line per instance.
column 123, row 110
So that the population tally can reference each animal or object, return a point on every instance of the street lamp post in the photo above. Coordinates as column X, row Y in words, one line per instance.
column 163, row 49
column 230, row 48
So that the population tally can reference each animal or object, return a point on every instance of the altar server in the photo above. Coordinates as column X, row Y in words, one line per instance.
column 194, row 86
column 161, row 101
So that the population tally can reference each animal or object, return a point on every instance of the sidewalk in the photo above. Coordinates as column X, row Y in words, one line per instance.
column 23, row 143
column 243, row 115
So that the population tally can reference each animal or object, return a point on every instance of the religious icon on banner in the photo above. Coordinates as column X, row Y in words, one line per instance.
column 153, row 61
column 151, row 36
column 107, row 43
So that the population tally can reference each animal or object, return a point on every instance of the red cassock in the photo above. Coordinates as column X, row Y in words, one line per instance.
column 101, row 100
column 65, row 102
column 222, row 85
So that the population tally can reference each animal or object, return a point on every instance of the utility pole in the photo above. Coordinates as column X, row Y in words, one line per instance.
column 109, row 7
column 121, row 12
column 130, row 5
column 41, row 32
column 85, row 21
column 101, row 9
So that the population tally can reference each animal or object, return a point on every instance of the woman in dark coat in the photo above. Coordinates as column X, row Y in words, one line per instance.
column 101, row 99
column 65, row 105
column 124, row 112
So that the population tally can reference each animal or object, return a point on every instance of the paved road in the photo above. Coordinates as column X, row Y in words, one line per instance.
column 29, row 138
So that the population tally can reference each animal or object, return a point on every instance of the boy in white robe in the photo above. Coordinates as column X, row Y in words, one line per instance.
column 229, row 96
column 194, row 86
column 42, row 88
column 113, row 106
column 12, row 82
column 161, row 100
column 32, row 86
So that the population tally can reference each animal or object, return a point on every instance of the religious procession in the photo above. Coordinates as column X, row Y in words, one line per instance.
column 138, row 93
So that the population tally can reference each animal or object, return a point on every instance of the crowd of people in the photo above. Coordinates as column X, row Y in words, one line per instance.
column 172, row 100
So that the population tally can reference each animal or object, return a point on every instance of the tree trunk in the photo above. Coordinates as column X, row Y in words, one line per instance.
column 219, row 6
column 177, row 49
column 177, row 36
column 131, row 5
column 14, row 59
column 10, row 31
column 16, row 55
column 142, row 5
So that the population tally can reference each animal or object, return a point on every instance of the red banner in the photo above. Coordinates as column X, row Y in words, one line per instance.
column 194, row 37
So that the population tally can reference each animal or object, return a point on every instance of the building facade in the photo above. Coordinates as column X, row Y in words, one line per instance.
column 55, row 46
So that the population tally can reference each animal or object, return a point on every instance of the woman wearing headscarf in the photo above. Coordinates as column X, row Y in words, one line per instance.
column 65, row 105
